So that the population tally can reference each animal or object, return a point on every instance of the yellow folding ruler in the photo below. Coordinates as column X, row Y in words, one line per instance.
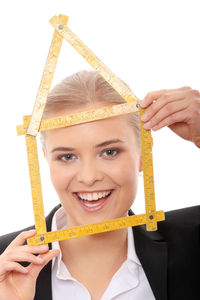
column 33, row 124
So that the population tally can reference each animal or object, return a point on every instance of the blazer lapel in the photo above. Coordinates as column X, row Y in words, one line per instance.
column 152, row 253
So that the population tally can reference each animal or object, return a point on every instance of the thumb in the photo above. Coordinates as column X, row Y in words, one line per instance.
column 34, row 269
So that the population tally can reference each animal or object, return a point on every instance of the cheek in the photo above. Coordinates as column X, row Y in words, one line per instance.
column 125, row 172
column 129, row 181
column 130, row 186
column 59, row 178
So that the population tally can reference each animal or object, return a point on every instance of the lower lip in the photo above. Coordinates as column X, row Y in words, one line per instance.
column 95, row 208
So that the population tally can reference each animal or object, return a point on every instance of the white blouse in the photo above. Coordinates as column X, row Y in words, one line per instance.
column 128, row 283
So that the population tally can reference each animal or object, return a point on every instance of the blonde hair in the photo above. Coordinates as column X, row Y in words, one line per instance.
column 80, row 89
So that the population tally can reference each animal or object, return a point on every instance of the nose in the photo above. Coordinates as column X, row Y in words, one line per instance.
column 89, row 173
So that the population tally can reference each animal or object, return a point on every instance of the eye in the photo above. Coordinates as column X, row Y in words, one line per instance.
column 111, row 152
column 67, row 157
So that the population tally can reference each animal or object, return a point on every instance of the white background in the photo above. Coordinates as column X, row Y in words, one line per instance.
column 151, row 44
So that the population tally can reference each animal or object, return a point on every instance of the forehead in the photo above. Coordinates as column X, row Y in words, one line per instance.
column 91, row 132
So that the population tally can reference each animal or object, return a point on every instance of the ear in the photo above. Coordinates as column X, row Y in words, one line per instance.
column 141, row 166
column 44, row 152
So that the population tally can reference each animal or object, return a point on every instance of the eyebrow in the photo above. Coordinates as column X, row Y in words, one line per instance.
column 106, row 143
column 109, row 142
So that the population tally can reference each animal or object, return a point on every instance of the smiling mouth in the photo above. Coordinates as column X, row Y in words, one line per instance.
column 93, row 201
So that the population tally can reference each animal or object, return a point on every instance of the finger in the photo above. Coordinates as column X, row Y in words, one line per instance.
column 16, row 256
column 169, row 109
column 197, row 142
column 34, row 270
column 21, row 238
column 150, row 97
column 156, row 106
column 155, row 95
column 11, row 266
column 35, row 249
column 177, row 117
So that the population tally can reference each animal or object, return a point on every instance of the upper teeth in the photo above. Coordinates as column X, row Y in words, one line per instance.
column 93, row 196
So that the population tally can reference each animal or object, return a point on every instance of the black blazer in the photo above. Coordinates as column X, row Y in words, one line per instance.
column 170, row 256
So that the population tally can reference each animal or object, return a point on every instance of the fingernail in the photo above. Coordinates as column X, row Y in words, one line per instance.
column 144, row 117
column 147, row 125
column 155, row 127
column 142, row 103
column 39, row 260
column 44, row 247
column 58, row 253
column 25, row 270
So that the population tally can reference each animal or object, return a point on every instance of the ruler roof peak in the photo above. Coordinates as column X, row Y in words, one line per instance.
column 62, row 31
column 59, row 20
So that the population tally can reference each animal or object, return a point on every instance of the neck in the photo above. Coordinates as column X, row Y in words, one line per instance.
column 97, row 244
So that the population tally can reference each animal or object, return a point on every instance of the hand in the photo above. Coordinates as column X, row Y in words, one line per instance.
column 179, row 109
column 17, row 282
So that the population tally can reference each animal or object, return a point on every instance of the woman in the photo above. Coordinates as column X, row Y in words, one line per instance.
column 94, row 168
